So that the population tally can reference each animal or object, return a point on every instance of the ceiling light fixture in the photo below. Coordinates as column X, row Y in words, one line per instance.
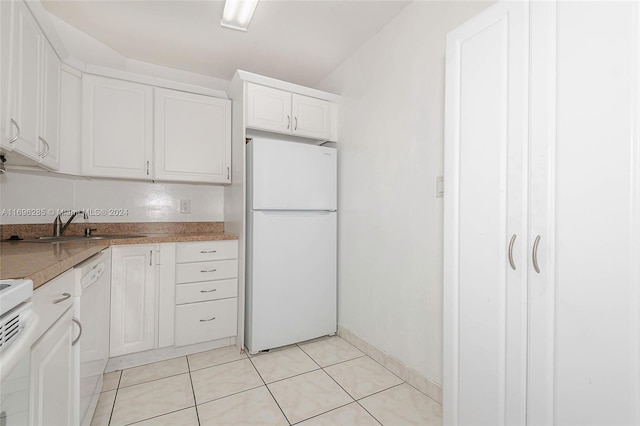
column 238, row 13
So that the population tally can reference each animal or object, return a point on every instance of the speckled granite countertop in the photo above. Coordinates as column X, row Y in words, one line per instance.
column 42, row 262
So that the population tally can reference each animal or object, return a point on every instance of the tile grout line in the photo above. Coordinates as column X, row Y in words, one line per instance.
column 215, row 365
column 324, row 412
column 195, row 401
column 269, row 390
column 357, row 401
column 375, row 393
column 113, row 406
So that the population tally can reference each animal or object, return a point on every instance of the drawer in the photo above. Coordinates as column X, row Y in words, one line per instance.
column 203, row 251
column 204, row 321
column 52, row 299
column 206, row 271
column 208, row 290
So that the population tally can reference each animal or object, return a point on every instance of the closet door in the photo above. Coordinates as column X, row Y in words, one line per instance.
column 590, row 336
column 485, row 214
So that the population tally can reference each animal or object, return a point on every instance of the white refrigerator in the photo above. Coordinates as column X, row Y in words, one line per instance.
column 291, row 293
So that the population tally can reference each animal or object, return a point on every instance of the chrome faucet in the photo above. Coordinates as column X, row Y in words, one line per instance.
column 58, row 228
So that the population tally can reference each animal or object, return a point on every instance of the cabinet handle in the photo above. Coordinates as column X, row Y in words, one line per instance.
column 150, row 257
column 45, row 149
column 147, row 168
column 64, row 297
column 208, row 251
column 77, row 321
column 210, row 319
column 513, row 240
column 295, row 120
column 210, row 270
column 288, row 121
column 17, row 136
column 208, row 291
column 228, row 173
column 535, row 254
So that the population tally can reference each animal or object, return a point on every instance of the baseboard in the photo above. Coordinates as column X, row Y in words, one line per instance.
column 162, row 354
column 397, row 367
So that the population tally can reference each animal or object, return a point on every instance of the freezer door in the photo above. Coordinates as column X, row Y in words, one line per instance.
column 292, row 278
column 291, row 176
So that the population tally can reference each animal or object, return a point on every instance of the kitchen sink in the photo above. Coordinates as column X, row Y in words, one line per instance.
column 63, row 239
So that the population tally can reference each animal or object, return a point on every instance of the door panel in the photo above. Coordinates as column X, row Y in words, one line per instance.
column 192, row 137
column 485, row 299
column 597, row 363
column 311, row 117
column 133, row 300
column 117, row 128
column 268, row 109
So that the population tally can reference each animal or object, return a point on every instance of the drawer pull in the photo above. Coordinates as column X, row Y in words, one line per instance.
column 208, row 251
column 64, row 297
column 207, row 291
column 207, row 270
column 210, row 319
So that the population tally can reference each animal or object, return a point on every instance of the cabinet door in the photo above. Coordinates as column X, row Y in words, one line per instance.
column 268, row 109
column 485, row 329
column 50, row 108
column 192, row 137
column 5, row 55
column 311, row 117
column 24, row 81
column 52, row 375
column 585, row 302
column 134, row 299
column 117, row 128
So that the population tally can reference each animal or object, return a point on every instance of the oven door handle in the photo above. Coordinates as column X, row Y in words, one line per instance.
column 19, row 350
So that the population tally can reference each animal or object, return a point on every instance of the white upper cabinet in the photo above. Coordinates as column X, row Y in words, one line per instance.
column 311, row 117
column 49, row 122
column 268, row 109
column 192, row 137
column 117, row 128
column 5, row 47
column 279, row 111
column 24, row 82
column 186, row 137
column 30, row 89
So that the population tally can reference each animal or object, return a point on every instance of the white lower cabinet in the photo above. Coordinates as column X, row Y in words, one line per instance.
column 51, row 375
column 172, row 294
column 53, row 394
column 134, row 299
column 206, row 291
column 199, row 322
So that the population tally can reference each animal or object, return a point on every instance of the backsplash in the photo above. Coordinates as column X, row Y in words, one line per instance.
column 37, row 197
column 113, row 228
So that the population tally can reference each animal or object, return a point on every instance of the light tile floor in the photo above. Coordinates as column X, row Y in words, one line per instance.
column 326, row 381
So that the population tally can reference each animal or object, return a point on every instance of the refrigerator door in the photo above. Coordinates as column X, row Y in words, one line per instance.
column 291, row 293
column 291, row 176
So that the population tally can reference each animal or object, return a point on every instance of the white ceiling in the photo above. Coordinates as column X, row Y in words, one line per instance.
column 297, row 41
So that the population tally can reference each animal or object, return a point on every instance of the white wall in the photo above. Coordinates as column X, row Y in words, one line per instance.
column 390, row 153
column 142, row 201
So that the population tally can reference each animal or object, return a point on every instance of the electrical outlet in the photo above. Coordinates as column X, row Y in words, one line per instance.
column 185, row 206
